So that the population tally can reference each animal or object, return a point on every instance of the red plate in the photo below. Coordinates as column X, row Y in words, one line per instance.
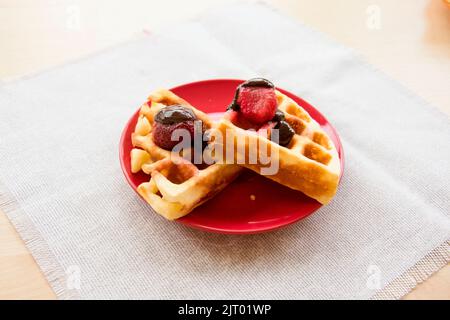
column 232, row 211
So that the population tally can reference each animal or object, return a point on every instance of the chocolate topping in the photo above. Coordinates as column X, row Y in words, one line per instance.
column 174, row 114
column 279, row 116
column 234, row 105
column 254, row 82
column 285, row 132
column 258, row 82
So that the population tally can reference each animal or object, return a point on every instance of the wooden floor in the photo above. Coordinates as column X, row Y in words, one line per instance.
column 408, row 40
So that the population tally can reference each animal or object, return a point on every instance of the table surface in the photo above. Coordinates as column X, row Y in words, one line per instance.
column 408, row 40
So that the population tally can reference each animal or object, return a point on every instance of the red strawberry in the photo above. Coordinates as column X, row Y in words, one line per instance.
column 257, row 104
column 162, row 133
column 239, row 120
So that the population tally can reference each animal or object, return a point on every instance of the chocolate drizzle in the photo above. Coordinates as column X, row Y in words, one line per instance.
column 258, row 82
column 285, row 133
column 254, row 82
column 279, row 116
column 174, row 114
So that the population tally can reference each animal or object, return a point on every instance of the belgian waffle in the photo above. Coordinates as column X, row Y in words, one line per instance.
column 176, row 185
column 309, row 163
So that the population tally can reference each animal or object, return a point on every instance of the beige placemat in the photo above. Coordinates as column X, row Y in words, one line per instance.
column 62, row 186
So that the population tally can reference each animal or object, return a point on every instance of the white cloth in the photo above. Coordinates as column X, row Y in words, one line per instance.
column 62, row 186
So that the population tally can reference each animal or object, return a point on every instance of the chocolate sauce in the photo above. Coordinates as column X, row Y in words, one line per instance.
column 285, row 132
column 254, row 82
column 174, row 114
column 258, row 82
column 279, row 116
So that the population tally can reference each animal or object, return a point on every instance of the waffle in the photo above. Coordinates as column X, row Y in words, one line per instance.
column 176, row 185
column 309, row 163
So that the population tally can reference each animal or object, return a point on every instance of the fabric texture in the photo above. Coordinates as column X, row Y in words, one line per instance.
column 93, row 237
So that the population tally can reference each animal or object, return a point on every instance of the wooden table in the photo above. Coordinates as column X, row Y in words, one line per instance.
column 408, row 40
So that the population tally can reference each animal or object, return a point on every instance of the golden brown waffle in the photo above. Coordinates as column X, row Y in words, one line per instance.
column 309, row 163
column 176, row 185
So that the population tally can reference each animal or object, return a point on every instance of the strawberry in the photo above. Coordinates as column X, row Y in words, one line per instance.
column 257, row 104
column 239, row 120
column 162, row 134
column 169, row 119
